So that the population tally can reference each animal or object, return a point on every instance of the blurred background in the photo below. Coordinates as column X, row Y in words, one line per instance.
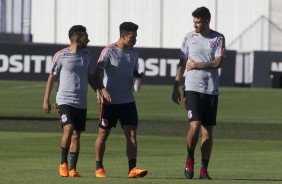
column 252, row 30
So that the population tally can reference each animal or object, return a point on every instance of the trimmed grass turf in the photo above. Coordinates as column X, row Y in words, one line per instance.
column 34, row 157
column 245, row 150
column 236, row 105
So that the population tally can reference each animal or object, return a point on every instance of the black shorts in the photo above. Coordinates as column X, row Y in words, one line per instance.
column 72, row 115
column 201, row 107
column 111, row 113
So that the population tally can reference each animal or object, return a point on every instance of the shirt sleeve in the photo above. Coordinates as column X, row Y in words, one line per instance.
column 184, row 51
column 56, row 65
column 91, row 67
column 136, row 67
column 103, row 59
column 220, row 51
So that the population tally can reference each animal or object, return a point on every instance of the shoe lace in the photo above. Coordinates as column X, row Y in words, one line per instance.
column 190, row 164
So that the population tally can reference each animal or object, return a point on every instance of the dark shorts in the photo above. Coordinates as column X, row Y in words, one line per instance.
column 72, row 115
column 111, row 113
column 201, row 107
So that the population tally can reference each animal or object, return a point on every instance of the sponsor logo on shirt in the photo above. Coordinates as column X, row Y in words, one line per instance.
column 55, row 68
column 74, row 61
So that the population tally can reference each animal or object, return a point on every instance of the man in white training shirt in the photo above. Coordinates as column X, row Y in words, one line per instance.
column 116, row 67
column 74, row 69
column 202, row 53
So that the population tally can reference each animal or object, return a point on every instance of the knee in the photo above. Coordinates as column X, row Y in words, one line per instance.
column 132, row 140
column 207, row 134
column 195, row 127
column 75, row 136
column 102, row 136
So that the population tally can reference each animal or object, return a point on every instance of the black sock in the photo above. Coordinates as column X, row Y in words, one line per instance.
column 73, row 160
column 99, row 164
column 64, row 155
column 131, row 164
column 205, row 164
column 190, row 155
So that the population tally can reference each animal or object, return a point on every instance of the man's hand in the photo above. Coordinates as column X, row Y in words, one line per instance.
column 46, row 106
column 176, row 97
column 106, row 96
column 99, row 97
column 190, row 64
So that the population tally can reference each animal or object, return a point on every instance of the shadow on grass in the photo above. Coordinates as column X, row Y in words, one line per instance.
column 251, row 131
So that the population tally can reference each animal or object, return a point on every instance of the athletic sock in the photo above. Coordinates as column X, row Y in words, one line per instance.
column 73, row 160
column 190, row 155
column 99, row 164
column 131, row 164
column 64, row 155
column 205, row 164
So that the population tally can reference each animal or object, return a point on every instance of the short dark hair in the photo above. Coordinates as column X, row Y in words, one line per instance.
column 76, row 30
column 126, row 27
column 203, row 13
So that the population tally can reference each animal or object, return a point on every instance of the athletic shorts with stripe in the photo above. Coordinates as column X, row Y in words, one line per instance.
column 72, row 115
column 201, row 107
column 110, row 114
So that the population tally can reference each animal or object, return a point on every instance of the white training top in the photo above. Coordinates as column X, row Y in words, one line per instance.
column 119, row 65
column 72, row 70
column 202, row 49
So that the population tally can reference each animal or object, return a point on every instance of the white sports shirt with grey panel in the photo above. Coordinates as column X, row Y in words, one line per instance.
column 202, row 49
column 118, row 65
column 72, row 70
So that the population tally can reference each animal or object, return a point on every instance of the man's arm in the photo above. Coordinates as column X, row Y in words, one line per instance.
column 216, row 63
column 49, row 87
column 179, row 75
column 92, row 82
column 99, row 75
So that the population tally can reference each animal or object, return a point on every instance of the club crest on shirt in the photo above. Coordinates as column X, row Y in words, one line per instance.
column 130, row 57
column 84, row 60
column 212, row 44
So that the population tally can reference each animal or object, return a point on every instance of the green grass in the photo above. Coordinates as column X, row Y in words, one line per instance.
column 247, row 144
column 34, row 157
column 236, row 105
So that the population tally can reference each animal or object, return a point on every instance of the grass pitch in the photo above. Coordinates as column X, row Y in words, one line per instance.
column 236, row 105
column 34, row 158
column 247, row 146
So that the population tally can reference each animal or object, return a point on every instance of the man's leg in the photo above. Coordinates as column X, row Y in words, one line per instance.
column 192, row 140
column 74, row 153
column 65, row 146
column 100, row 147
column 206, row 148
column 131, row 152
column 131, row 145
